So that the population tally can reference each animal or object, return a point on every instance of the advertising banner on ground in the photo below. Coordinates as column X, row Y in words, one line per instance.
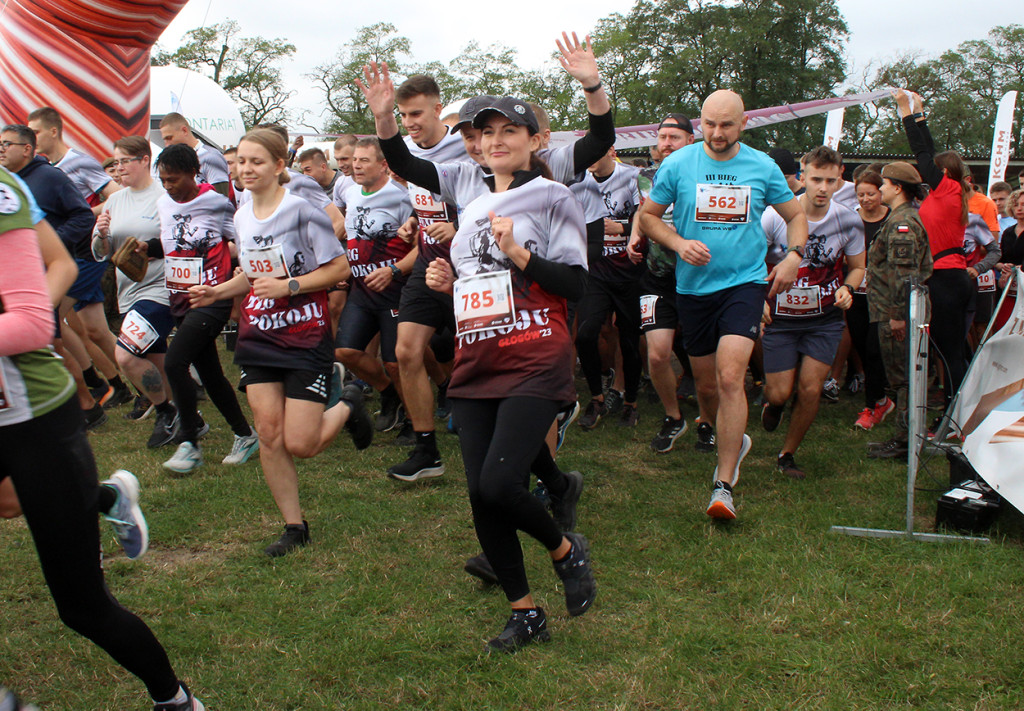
column 990, row 409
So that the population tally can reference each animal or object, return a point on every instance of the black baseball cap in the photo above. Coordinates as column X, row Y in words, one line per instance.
column 470, row 108
column 677, row 121
column 515, row 110
column 783, row 158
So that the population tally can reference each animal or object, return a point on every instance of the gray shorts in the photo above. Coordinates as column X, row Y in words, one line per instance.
column 784, row 346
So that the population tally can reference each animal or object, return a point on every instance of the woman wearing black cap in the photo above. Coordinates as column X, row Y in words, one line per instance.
column 519, row 253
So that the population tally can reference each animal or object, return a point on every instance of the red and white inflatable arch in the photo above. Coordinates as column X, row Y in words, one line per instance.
column 89, row 59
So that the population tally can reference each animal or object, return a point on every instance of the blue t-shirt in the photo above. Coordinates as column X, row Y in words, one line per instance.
column 720, row 203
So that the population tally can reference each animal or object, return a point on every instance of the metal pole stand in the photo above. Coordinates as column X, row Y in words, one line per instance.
column 917, row 394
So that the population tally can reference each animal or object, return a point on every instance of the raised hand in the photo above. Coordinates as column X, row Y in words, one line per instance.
column 578, row 59
column 378, row 89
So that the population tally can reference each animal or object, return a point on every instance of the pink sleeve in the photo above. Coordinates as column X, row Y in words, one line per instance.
column 26, row 321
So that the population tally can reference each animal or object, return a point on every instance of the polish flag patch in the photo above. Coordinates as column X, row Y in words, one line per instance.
column 902, row 229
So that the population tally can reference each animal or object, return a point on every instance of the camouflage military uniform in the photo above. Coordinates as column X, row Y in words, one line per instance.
column 899, row 252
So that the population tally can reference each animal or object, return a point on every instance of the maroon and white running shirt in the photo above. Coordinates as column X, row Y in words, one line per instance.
column 293, row 332
column 431, row 208
column 533, row 356
column 840, row 233
column 195, row 238
column 371, row 226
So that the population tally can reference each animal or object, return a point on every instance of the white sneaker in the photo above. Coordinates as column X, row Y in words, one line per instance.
column 186, row 457
column 745, row 446
column 721, row 506
column 242, row 449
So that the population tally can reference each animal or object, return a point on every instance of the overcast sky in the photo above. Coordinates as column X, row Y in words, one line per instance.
column 878, row 30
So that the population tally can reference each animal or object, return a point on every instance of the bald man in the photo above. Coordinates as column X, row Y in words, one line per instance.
column 718, row 190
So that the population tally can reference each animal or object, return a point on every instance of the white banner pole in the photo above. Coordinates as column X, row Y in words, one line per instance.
column 1001, row 135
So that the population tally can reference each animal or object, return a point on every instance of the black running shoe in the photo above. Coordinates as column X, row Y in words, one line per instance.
column 522, row 628
column 95, row 417
column 788, row 466
column 705, row 437
column 892, row 449
column 671, row 430
column 406, row 436
column 577, row 576
column 359, row 424
column 563, row 508
column 629, row 416
column 390, row 413
column 164, row 429
column 120, row 396
column 295, row 536
column 479, row 567
column 102, row 393
column 423, row 463
column 771, row 416
column 596, row 409
column 141, row 409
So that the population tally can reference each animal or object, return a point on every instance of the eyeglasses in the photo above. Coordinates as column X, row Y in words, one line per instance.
column 7, row 144
column 126, row 161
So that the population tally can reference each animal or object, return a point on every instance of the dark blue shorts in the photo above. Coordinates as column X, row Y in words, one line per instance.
column 784, row 346
column 705, row 318
column 88, row 288
column 158, row 316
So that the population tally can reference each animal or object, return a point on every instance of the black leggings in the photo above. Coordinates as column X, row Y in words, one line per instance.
column 864, row 336
column 54, row 475
column 950, row 293
column 195, row 343
column 601, row 299
column 500, row 439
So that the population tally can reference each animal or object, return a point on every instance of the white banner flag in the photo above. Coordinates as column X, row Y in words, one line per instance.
column 1001, row 137
column 990, row 408
column 647, row 135
column 834, row 128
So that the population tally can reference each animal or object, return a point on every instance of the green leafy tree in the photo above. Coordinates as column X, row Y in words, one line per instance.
column 249, row 68
column 346, row 107
column 961, row 88
column 668, row 55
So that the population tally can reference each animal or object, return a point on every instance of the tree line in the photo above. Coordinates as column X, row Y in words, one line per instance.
column 660, row 57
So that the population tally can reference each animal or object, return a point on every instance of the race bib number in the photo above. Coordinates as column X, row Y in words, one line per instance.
column 264, row 262
column 799, row 301
column 722, row 203
column 647, row 303
column 987, row 281
column 137, row 334
column 428, row 211
column 483, row 301
column 180, row 273
column 863, row 288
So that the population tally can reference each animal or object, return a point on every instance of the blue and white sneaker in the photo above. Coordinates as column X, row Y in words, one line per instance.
column 126, row 516
column 185, row 459
column 242, row 449
column 564, row 419
column 337, row 383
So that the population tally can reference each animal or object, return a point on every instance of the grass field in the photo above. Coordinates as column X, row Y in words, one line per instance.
column 769, row 611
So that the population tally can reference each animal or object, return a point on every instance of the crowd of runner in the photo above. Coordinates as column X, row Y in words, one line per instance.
column 459, row 274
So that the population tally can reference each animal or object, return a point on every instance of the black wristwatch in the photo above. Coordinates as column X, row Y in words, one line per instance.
column 395, row 271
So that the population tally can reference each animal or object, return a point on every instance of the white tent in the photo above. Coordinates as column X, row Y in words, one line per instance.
column 208, row 108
